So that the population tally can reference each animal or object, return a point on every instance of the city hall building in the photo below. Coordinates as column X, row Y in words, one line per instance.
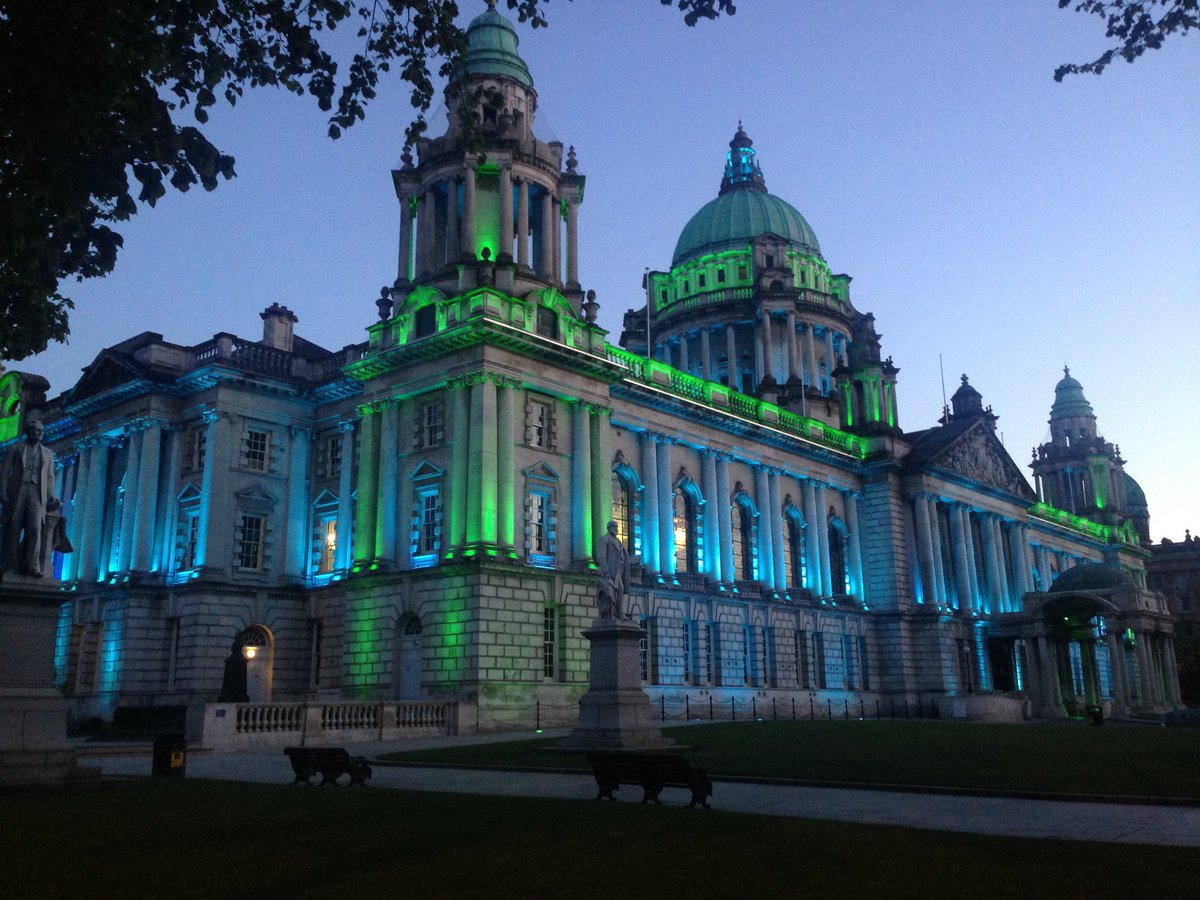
column 414, row 517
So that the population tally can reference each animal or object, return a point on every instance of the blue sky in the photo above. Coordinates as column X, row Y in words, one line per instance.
column 987, row 214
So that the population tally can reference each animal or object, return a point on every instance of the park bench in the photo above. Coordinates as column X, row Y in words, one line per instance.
column 653, row 771
column 328, row 762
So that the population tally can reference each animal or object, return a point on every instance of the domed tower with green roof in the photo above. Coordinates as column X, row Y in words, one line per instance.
column 749, row 300
column 488, row 189
column 1077, row 470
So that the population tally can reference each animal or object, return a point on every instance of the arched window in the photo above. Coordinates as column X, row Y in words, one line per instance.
column 685, row 524
column 625, row 511
column 743, row 538
column 795, row 562
column 837, row 557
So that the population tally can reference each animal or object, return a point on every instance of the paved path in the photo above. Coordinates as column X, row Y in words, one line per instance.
column 1114, row 823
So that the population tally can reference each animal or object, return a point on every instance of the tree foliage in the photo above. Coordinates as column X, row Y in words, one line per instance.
column 1137, row 25
column 94, row 96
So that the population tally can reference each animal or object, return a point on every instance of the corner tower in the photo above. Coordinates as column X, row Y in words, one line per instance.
column 488, row 189
column 1077, row 470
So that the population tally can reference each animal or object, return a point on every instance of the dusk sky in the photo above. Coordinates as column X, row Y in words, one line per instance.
column 989, row 216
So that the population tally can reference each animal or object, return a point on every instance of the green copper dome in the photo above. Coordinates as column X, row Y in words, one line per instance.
column 743, row 211
column 1068, row 398
column 492, row 48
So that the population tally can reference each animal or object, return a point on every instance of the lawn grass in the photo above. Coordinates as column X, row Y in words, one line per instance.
column 193, row 838
column 1069, row 758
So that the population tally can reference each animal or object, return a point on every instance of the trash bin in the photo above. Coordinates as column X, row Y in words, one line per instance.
column 1095, row 715
column 170, row 754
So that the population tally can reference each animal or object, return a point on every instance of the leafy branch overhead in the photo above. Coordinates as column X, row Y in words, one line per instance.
column 91, row 93
column 1137, row 25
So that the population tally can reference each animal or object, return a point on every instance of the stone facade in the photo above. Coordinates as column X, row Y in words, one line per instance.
column 414, row 516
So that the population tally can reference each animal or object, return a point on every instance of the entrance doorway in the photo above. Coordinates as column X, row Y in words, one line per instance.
column 408, row 659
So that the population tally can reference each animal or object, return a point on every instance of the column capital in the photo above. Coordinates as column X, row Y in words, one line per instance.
column 301, row 432
column 347, row 425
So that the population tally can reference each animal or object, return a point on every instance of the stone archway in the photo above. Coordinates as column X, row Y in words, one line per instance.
column 257, row 646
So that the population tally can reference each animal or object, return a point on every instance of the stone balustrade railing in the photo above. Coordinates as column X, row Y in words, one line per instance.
column 228, row 726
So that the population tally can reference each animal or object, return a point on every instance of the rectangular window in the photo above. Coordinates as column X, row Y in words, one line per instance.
column 316, row 635
column 749, row 663
column 255, row 456
column 431, row 516
column 328, row 547
column 173, row 658
column 714, row 653
column 334, row 453
column 864, row 671
column 249, row 542
column 539, row 537
column 191, row 538
column 721, row 275
column 801, row 648
column 547, row 322
column 743, row 273
column 647, row 653
column 537, row 432
column 689, row 639
column 850, row 662
column 549, row 642
column 819, row 659
column 702, row 279
column 199, row 445
column 433, row 424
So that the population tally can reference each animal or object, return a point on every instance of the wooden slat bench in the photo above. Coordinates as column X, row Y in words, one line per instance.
column 328, row 762
column 653, row 771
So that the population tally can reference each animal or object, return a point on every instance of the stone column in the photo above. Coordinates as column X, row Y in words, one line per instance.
column 453, row 249
column 709, row 370
column 775, row 518
column 793, row 355
column 468, row 247
column 123, row 529
column 81, row 536
column 149, row 466
column 602, row 456
column 766, row 548
column 684, row 361
column 572, row 243
column 925, row 548
column 650, row 503
column 523, row 222
column 1116, row 658
column 1091, row 677
column 426, row 244
column 939, row 566
column 460, row 398
column 1145, row 673
column 167, row 520
column 389, row 484
column 557, row 234
column 506, row 211
column 812, row 544
column 366, row 510
column 506, row 472
column 343, row 553
column 581, row 484
column 962, row 573
column 666, row 518
column 856, row 548
column 404, row 262
column 714, row 536
column 823, row 539
column 546, row 263
column 1005, row 601
column 990, row 559
column 298, row 551
column 482, row 465
column 1172, row 672
column 760, row 362
column 213, row 548
column 768, row 346
column 1052, row 691
column 725, row 519
column 811, row 360
column 830, row 362
column 731, row 357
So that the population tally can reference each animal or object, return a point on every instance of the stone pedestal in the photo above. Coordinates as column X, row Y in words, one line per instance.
column 615, row 712
column 33, row 714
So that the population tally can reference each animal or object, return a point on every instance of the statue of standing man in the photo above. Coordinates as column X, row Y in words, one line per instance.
column 613, row 559
column 27, row 493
